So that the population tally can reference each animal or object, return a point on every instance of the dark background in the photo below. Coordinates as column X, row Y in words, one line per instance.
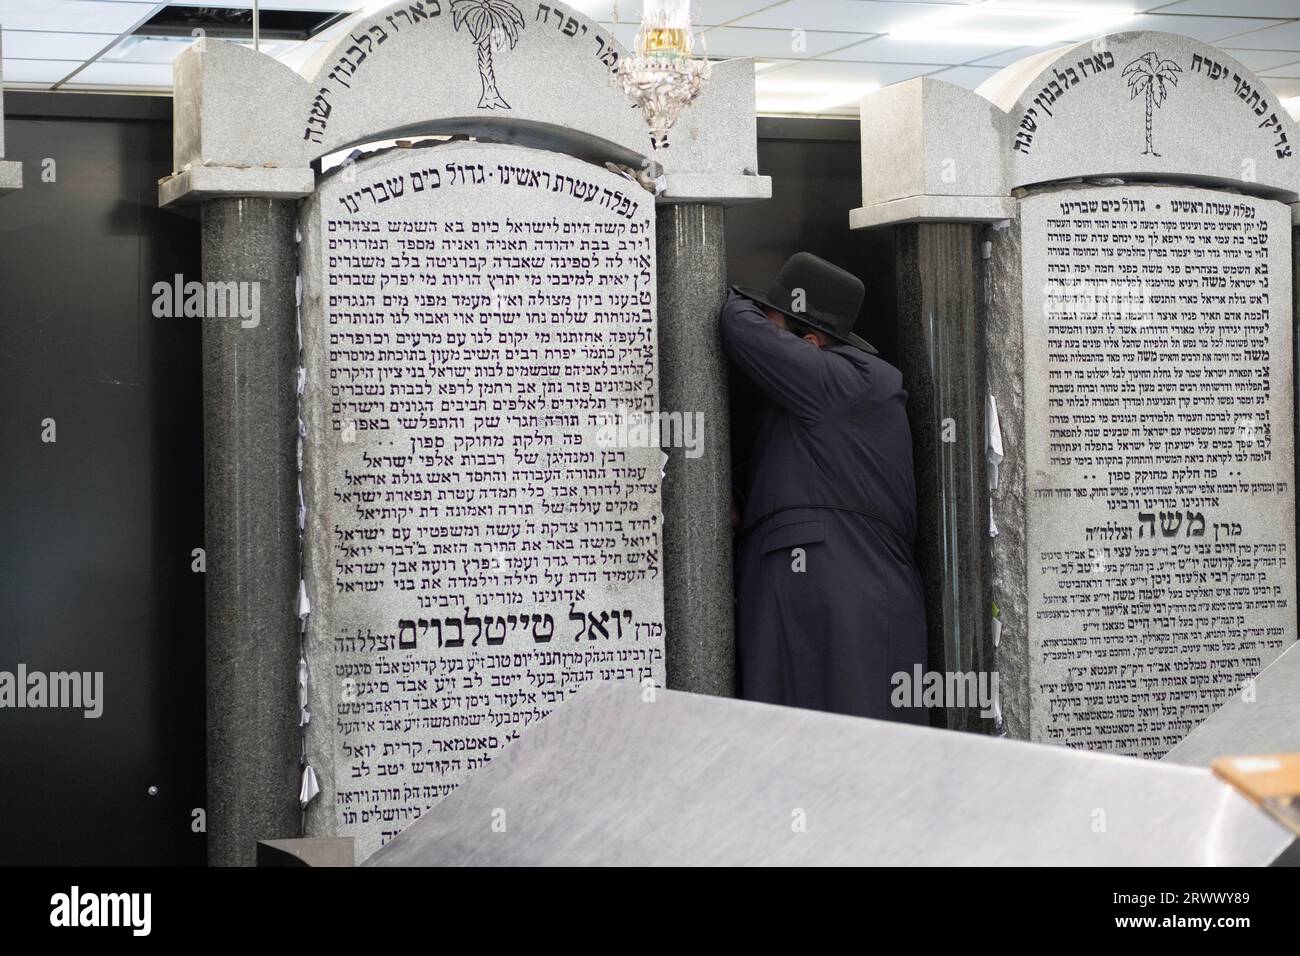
column 97, row 528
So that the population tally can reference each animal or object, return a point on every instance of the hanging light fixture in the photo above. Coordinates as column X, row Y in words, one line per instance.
column 663, row 76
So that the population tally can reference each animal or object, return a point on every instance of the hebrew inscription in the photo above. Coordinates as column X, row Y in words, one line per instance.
column 1160, row 457
column 473, row 315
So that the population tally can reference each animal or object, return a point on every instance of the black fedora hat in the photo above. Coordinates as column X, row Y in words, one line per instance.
column 829, row 296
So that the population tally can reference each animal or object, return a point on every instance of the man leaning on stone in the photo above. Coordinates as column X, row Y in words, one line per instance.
column 829, row 600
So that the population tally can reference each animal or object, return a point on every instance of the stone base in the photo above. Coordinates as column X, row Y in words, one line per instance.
column 11, row 176
column 694, row 780
column 934, row 209
column 199, row 183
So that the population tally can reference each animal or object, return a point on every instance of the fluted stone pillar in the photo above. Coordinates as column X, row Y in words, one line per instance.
column 698, row 606
column 942, row 356
column 250, row 423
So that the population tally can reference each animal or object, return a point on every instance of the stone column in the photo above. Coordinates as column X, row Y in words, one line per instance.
column 250, row 433
column 698, row 605
column 942, row 357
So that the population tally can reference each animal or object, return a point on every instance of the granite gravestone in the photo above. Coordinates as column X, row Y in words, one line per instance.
column 479, row 544
column 1159, row 457
column 250, row 139
column 1114, row 221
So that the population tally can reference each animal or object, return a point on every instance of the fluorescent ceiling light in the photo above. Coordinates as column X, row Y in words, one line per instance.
column 1012, row 23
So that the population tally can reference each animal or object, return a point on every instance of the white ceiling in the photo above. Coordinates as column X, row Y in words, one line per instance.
column 815, row 56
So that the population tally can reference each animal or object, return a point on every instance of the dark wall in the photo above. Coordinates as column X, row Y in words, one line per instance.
column 98, row 526
column 815, row 168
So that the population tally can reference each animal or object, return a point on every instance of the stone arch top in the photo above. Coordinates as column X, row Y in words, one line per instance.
column 519, row 70
column 1130, row 105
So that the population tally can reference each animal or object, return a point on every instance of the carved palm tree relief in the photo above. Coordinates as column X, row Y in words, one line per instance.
column 1153, row 76
column 491, row 24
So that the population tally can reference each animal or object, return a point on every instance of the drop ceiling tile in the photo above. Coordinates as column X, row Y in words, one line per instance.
column 298, row 54
column 91, row 16
column 147, row 49
column 705, row 13
column 1289, row 70
column 828, row 71
column 1280, row 9
column 1015, row 55
column 1284, row 36
column 737, row 42
column 130, row 75
column 886, row 49
column 41, row 45
column 36, row 71
column 852, row 16
column 967, row 76
column 1209, row 29
column 1285, row 86
column 1261, row 61
column 341, row 6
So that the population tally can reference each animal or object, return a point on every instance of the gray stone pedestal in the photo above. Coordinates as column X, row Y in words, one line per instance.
column 698, row 608
column 250, row 425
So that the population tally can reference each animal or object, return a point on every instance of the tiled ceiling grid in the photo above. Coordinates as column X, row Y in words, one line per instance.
column 815, row 56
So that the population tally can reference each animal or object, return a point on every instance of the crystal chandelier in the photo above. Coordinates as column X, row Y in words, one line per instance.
column 663, row 76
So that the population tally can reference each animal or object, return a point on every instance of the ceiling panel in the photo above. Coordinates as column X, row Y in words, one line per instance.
column 91, row 16
column 139, row 75
column 886, row 49
column 852, row 16
column 967, row 76
column 1209, row 29
column 1283, row 37
column 1290, row 70
column 339, row 5
column 1281, row 9
column 1261, row 61
column 844, row 41
column 827, row 71
column 42, row 45
column 1014, row 55
column 706, row 13
column 739, row 41
column 43, row 72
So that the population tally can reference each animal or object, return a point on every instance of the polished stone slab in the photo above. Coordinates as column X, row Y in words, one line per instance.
column 1265, row 721
column 612, row 778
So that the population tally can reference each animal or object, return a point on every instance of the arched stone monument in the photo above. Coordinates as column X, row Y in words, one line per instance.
column 11, row 173
column 1100, row 240
column 444, row 330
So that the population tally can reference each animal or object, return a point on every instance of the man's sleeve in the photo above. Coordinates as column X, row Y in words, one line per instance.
column 790, row 372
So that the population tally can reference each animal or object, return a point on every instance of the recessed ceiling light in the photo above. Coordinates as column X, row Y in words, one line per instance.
column 1012, row 23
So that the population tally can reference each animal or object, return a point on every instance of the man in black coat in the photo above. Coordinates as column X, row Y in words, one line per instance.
column 829, row 603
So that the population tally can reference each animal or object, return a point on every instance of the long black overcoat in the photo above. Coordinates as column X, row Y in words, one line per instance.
column 829, row 602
